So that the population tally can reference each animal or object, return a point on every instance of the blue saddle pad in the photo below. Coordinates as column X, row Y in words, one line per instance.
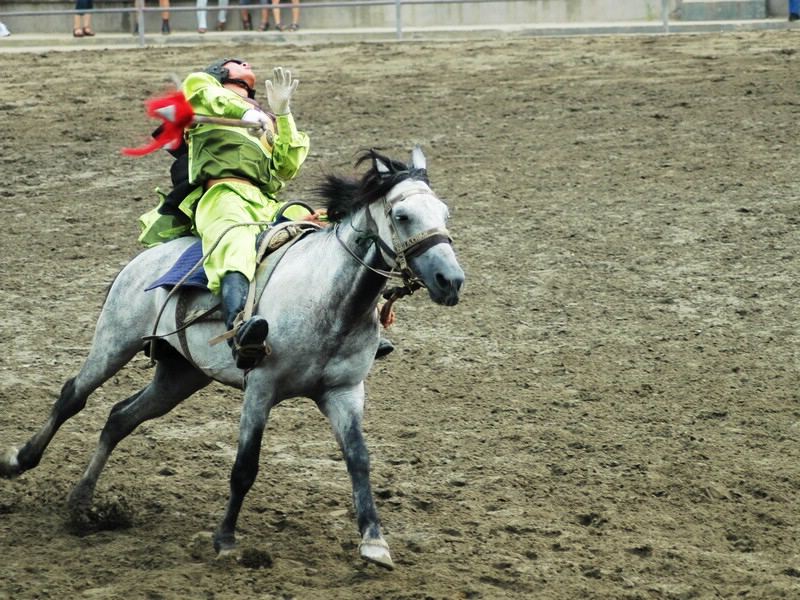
column 190, row 257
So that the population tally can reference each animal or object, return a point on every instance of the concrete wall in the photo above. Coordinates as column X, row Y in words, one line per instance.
column 715, row 10
column 437, row 13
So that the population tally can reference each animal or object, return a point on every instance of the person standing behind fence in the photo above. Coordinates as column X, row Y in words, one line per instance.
column 276, row 15
column 79, row 30
column 164, row 4
column 794, row 10
column 202, row 23
column 247, row 22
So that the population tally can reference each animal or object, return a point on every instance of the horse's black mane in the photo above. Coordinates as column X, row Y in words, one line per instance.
column 342, row 195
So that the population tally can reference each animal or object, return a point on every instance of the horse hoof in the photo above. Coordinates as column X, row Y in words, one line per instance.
column 376, row 551
column 229, row 555
column 9, row 464
column 225, row 547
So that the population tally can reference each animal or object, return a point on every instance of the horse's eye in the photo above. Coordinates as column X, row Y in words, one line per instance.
column 398, row 216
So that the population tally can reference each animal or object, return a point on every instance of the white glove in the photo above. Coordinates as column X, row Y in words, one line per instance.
column 280, row 90
column 258, row 119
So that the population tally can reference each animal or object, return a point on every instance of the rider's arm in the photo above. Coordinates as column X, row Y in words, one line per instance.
column 209, row 98
column 289, row 148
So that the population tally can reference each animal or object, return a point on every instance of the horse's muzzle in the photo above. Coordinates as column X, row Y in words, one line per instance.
column 446, row 289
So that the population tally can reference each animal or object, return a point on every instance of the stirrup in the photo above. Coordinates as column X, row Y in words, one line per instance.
column 249, row 342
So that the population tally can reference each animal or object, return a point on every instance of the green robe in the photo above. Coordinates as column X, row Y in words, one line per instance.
column 218, row 151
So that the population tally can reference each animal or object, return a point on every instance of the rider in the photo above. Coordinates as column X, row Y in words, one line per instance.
column 234, row 175
column 231, row 177
column 241, row 174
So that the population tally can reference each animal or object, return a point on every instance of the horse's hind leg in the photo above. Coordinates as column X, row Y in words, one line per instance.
column 107, row 356
column 174, row 381
column 345, row 409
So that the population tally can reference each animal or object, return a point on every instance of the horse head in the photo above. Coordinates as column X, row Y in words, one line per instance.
column 393, row 207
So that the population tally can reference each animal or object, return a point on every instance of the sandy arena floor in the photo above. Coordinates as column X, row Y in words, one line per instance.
column 611, row 412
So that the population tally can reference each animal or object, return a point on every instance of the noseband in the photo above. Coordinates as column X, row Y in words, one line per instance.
column 400, row 250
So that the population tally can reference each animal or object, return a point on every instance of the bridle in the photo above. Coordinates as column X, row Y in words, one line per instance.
column 399, row 252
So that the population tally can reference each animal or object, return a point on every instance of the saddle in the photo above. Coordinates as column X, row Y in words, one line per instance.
column 186, row 280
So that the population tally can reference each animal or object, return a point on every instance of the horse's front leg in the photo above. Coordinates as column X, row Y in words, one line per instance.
column 344, row 408
column 255, row 412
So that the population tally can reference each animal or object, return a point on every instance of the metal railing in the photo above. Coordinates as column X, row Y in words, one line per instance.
column 140, row 10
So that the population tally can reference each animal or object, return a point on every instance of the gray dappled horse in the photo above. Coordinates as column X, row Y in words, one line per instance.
column 320, row 302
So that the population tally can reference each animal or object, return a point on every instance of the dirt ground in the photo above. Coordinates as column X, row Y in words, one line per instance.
column 611, row 412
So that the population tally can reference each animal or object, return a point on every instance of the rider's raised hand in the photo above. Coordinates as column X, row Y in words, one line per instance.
column 280, row 90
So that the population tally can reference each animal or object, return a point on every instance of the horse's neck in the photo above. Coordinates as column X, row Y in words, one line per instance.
column 365, row 285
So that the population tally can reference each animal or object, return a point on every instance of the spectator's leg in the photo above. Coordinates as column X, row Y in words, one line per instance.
column 222, row 15
column 247, row 23
column 87, row 23
column 76, row 27
column 202, row 16
column 276, row 14
column 164, row 4
column 264, row 25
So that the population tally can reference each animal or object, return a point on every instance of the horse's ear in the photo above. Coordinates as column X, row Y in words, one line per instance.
column 418, row 158
column 380, row 166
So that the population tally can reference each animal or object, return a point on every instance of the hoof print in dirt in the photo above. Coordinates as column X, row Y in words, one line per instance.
column 103, row 515
column 253, row 558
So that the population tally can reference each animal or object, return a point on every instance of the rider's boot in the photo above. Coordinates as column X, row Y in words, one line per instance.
column 248, row 345
column 384, row 347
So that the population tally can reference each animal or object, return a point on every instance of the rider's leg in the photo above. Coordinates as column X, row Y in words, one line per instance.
column 230, row 245
column 248, row 344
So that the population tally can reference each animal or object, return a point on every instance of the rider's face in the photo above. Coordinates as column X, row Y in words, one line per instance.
column 241, row 71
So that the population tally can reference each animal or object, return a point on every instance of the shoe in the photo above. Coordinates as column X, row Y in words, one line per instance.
column 249, row 344
column 4, row 32
column 201, row 30
column 77, row 32
column 384, row 347
column 294, row 27
column 794, row 16
column 165, row 30
column 280, row 27
column 264, row 26
column 221, row 26
column 247, row 24
column 87, row 31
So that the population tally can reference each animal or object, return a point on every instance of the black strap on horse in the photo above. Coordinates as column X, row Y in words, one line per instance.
column 279, row 215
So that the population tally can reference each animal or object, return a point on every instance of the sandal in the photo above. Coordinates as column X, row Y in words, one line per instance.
column 294, row 27
column 87, row 31
column 264, row 26
column 77, row 32
column 247, row 24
